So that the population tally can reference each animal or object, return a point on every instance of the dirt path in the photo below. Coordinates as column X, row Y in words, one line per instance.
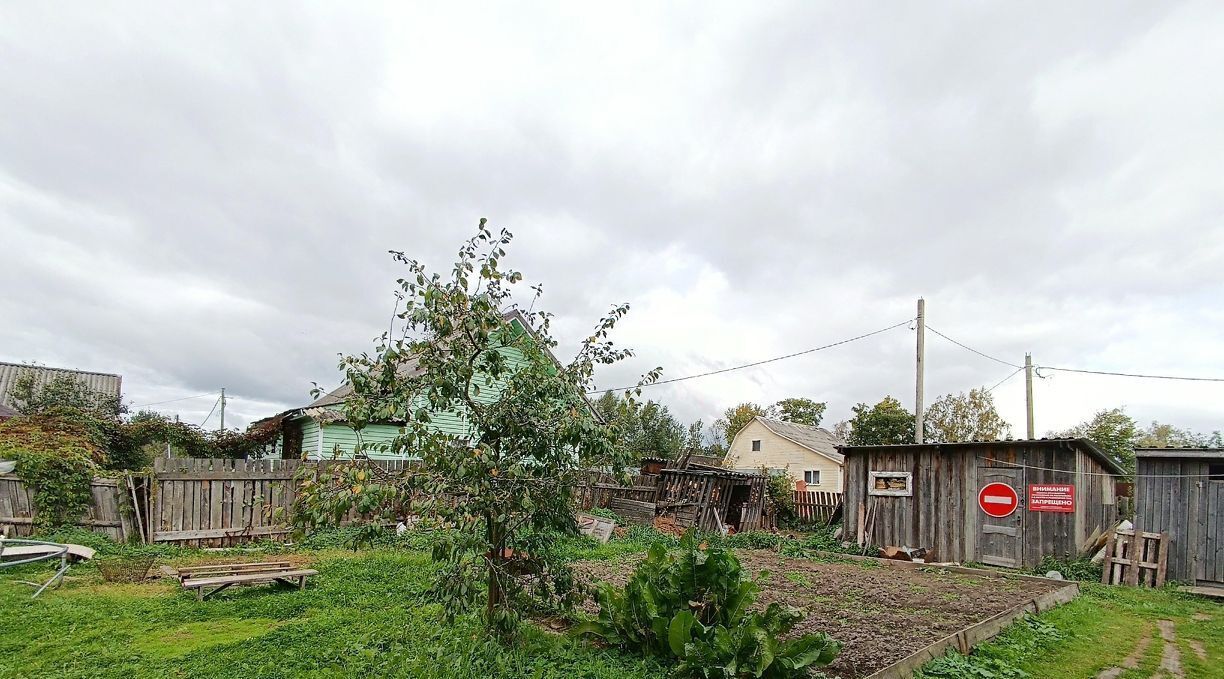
column 1170, row 656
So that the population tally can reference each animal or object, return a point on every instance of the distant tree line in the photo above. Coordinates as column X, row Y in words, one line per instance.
column 951, row 418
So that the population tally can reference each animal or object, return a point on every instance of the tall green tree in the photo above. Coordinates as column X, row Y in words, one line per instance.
column 657, row 433
column 1113, row 431
column 643, row 429
column 504, row 487
column 737, row 417
column 887, row 422
column 801, row 411
column 964, row 417
column 1160, row 435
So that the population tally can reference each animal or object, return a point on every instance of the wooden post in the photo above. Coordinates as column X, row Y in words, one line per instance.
column 1107, row 564
column 1028, row 393
column 918, row 363
column 1136, row 555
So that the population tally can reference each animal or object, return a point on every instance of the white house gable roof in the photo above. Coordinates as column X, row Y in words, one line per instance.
column 815, row 439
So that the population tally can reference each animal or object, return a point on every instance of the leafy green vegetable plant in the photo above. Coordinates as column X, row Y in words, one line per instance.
column 693, row 607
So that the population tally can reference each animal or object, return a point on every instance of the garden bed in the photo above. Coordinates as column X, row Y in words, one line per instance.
column 882, row 612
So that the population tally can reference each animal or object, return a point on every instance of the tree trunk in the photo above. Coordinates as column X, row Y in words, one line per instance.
column 497, row 543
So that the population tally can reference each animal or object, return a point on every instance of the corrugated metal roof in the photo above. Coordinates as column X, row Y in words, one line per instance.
column 815, row 439
column 103, row 383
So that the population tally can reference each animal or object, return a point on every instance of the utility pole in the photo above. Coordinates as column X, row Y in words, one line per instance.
column 921, row 357
column 1028, row 391
column 222, row 408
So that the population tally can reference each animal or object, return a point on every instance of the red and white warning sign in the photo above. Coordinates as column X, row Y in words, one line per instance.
column 1051, row 497
column 998, row 499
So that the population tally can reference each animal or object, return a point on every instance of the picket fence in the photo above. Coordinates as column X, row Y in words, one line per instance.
column 816, row 506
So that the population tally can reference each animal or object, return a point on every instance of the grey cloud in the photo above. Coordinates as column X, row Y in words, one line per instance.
column 204, row 196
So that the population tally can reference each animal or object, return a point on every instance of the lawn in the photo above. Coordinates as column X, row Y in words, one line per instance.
column 1098, row 631
column 368, row 614
column 364, row 615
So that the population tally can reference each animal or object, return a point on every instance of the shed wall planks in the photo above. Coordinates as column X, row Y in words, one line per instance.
column 942, row 512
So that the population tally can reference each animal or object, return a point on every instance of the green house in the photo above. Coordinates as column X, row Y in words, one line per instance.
column 318, row 430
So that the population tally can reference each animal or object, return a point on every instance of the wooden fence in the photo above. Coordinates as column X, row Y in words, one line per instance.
column 215, row 502
column 600, row 489
column 816, row 506
column 106, row 513
column 200, row 502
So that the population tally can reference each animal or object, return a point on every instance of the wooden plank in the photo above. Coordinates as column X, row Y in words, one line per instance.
column 172, row 536
column 253, row 577
column 29, row 520
column 1107, row 564
column 1136, row 555
column 234, row 567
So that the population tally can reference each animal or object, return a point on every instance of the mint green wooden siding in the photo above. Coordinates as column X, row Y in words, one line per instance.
column 345, row 438
column 452, row 422
column 310, row 438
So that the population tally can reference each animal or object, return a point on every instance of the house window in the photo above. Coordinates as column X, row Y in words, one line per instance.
column 812, row 477
column 756, row 445
column 1215, row 472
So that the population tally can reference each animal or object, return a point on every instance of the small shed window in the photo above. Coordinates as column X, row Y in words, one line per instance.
column 1215, row 471
column 812, row 477
column 890, row 483
column 756, row 445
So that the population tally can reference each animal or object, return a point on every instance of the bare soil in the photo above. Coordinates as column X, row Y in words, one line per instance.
column 880, row 614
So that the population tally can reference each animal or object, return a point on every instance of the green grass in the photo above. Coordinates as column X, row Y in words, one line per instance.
column 364, row 615
column 1094, row 632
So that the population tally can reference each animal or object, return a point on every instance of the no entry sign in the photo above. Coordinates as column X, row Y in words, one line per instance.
column 1051, row 497
column 998, row 499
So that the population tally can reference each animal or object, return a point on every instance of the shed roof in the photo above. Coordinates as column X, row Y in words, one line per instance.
column 815, row 439
column 1093, row 449
column 1180, row 453
column 103, row 383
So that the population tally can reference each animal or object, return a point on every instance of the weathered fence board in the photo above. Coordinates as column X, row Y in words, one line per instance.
column 815, row 506
column 105, row 514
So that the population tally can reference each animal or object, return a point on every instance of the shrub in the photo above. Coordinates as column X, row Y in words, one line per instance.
column 57, row 459
column 693, row 608
column 1075, row 569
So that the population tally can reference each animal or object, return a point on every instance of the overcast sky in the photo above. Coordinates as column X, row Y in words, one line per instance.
column 198, row 196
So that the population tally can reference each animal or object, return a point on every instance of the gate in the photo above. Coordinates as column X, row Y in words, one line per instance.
column 1212, row 568
column 1001, row 540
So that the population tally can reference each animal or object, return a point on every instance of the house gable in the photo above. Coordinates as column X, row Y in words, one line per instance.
column 778, row 452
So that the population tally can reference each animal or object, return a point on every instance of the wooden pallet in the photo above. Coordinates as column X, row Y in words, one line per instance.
column 223, row 576
column 1135, row 558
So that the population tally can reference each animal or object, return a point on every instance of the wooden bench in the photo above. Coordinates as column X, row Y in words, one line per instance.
column 222, row 576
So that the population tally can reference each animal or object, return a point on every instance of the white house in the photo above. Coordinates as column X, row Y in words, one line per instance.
column 807, row 454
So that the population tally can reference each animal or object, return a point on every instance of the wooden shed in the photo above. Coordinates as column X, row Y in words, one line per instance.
column 931, row 496
column 1180, row 492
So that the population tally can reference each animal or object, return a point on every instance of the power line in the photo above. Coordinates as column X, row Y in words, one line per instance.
column 1117, row 374
column 768, row 360
column 214, row 408
column 1074, row 472
column 969, row 348
column 1000, row 382
column 173, row 400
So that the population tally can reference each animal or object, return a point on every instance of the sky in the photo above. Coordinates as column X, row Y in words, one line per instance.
column 202, row 195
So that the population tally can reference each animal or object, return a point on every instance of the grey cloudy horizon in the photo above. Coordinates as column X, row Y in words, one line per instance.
column 204, row 196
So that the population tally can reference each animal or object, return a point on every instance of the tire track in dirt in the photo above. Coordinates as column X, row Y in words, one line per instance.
column 1170, row 655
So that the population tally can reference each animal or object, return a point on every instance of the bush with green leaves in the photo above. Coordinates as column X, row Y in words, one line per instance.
column 57, row 458
column 693, row 606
